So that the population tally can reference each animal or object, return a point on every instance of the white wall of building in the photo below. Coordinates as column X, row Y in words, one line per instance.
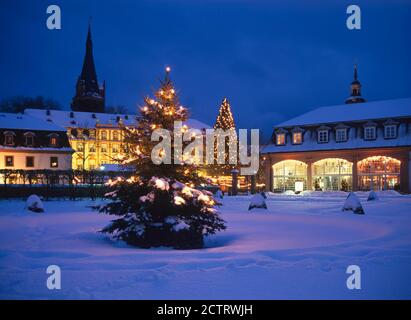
column 41, row 160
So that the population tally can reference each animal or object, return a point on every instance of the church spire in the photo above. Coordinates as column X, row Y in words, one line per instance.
column 355, row 96
column 89, row 96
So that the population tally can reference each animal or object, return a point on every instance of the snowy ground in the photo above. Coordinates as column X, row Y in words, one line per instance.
column 299, row 248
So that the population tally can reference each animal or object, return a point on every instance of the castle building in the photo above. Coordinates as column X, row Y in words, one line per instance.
column 27, row 143
column 354, row 146
column 89, row 96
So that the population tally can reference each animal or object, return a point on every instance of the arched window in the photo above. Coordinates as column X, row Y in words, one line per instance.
column 332, row 174
column 289, row 175
column 54, row 139
column 29, row 139
column 9, row 138
column 379, row 173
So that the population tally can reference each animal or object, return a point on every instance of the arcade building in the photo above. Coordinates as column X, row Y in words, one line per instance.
column 358, row 145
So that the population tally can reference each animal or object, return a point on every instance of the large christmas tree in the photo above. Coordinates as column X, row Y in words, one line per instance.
column 159, row 206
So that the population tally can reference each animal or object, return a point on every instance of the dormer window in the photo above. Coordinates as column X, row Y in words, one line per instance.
column 29, row 139
column 370, row 133
column 341, row 135
column 322, row 136
column 54, row 140
column 280, row 139
column 9, row 138
column 297, row 137
column 390, row 131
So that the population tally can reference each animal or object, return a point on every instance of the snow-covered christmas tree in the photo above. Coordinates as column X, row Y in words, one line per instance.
column 159, row 206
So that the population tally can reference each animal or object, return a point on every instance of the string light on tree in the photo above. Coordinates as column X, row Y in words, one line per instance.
column 225, row 121
column 152, row 205
column 225, row 118
column 158, row 112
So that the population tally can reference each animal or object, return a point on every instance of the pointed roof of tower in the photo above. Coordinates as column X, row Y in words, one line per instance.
column 88, row 72
column 355, row 81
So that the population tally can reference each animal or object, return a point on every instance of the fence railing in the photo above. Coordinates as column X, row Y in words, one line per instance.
column 56, row 183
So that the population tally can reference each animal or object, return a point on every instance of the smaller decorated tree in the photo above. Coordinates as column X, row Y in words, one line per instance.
column 225, row 118
column 159, row 206
column 225, row 122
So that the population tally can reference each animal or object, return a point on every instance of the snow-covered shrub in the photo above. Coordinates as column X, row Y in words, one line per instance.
column 34, row 203
column 258, row 201
column 352, row 203
column 161, row 212
column 289, row 193
column 219, row 194
column 372, row 196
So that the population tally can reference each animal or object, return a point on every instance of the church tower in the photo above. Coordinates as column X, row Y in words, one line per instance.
column 355, row 89
column 89, row 96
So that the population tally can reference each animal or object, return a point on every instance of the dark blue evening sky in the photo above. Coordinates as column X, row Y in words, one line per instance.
column 272, row 59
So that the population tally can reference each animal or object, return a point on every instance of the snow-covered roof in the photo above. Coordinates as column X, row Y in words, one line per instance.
column 310, row 142
column 74, row 119
column 352, row 112
column 90, row 119
column 27, row 122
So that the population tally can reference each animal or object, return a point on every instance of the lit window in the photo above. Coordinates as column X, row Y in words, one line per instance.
column 104, row 135
column 54, row 162
column 9, row 161
column 370, row 133
column 92, row 134
column 323, row 136
column 280, row 139
column 390, row 131
column 341, row 135
column 297, row 138
column 79, row 164
column 92, row 148
column 115, row 149
column 103, row 148
column 80, row 147
column 53, row 140
column 115, row 135
column 92, row 164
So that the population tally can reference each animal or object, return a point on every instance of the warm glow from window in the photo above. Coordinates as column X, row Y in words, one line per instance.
column 280, row 139
column 53, row 141
column 297, row 138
